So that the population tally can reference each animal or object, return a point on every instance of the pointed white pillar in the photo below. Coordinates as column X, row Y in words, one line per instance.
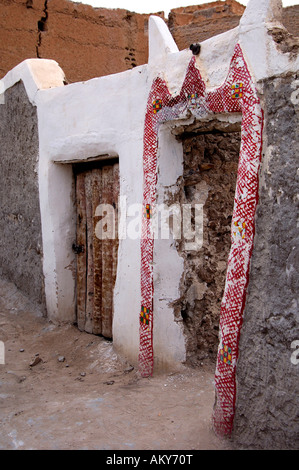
column 261, row 11
column 161, row 41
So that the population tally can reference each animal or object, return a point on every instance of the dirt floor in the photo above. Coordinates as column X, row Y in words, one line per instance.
column 64, row 389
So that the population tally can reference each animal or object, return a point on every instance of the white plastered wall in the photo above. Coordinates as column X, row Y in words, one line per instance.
column 91, row 119
column 105, row 116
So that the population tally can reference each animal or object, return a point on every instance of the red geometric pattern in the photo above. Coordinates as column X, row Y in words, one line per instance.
column 237, row 94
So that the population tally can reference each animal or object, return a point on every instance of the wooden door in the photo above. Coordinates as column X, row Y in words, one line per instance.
column 97, row 190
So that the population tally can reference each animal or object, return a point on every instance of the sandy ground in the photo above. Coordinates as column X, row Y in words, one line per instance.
column 81, row 395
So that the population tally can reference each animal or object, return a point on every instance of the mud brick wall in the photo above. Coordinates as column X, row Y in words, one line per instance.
column 20, row 225
column 87, row 42
column 199, row 22
column 209, row 178
column 267, row 379
column 91, row 42
column 290, row 19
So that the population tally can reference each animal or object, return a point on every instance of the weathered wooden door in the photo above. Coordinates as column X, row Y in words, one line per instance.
column 97, row 190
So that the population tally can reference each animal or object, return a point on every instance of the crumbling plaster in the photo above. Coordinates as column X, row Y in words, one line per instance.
column 105, row 116
column 270, row 328
column 20, row 225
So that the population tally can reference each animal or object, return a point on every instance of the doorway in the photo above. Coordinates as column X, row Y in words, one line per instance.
column 210, row 163
column 96, row 246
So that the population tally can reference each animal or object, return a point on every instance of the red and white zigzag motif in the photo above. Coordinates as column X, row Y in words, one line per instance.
column 237, row 94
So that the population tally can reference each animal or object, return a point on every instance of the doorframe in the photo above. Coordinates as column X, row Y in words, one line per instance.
column 78, row 167
column 58, row 234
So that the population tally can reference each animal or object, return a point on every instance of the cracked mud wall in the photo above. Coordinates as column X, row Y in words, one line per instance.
column 86, row 42
column 267, row 379
column 209, row 178
column 41, row 25
column 91, row 42
column 18, row 31
column 20, row 224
